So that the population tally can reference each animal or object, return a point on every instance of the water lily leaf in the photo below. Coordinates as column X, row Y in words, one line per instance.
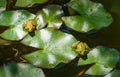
column 20, row 70
column 92, row 16
column 50, row 15
column 2, row 3
column 105, row 59
column 56, row 45
column 14, row 20
column 115, row 73
column 29, row 2
column 78, row 23
column 1, row 9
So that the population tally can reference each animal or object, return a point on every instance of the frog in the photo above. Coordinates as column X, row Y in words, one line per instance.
column 29, row 25
column 81, row 48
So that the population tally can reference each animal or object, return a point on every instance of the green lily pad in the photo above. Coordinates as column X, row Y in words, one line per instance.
column 2, row 3
column 78, row 23
column 50, row 15
column 56, row 48
column 14, row 20
column 20, row 70
column 29, row 2
column 104, row 58
column 115, row 73
column 92, row 16
column 1, row 9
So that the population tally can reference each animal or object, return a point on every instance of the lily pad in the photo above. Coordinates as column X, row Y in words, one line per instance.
column 78, row 23
column 20, row 70
column 14, row 20
column 50, row 15
column 1, row 9
column 92, row 16
column 56, row 48
column 29, row 2
column 2, row 3
column 104, row 58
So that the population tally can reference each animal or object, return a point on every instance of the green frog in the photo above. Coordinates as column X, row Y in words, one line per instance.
column 81, row 48
column 29, row 25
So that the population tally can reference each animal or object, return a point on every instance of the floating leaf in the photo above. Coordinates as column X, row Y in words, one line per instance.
column 92, row 16
column 2, row 3
column 56, row 45
column 50, row 15
column 15, row 20
column 1, row 9
column 104, row 58
column 29, row 2
column 20, row 70
column 78, row 23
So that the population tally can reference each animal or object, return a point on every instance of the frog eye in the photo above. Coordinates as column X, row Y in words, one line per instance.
column 29, row 25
